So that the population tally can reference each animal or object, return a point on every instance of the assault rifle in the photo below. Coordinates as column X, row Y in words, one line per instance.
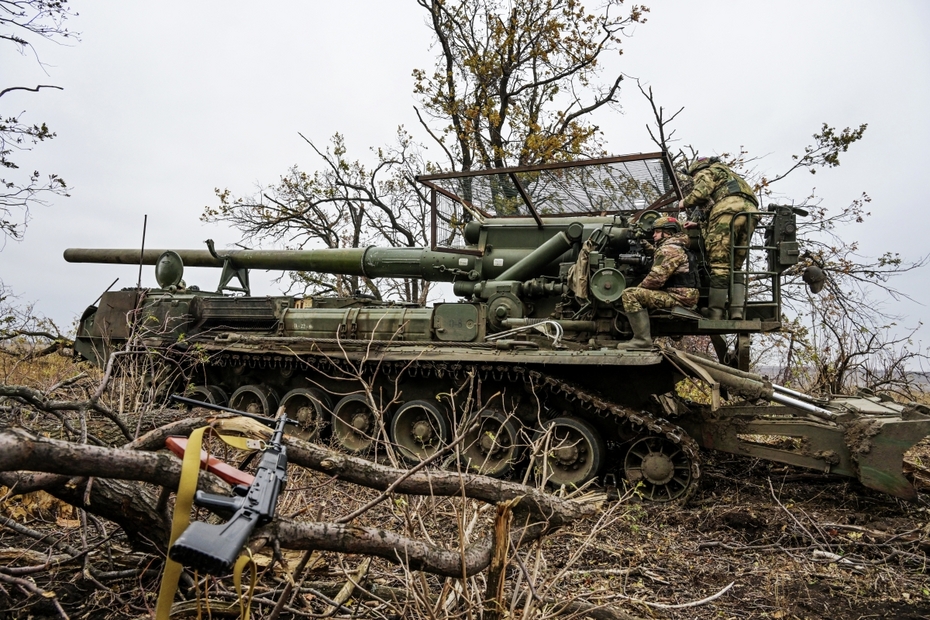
column 213, row 549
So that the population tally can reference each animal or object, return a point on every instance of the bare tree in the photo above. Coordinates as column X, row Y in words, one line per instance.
column 22, row 22
column 848, row 335
column 343, row 205
column 845, row 337
column 515, row 83
column 512, row 84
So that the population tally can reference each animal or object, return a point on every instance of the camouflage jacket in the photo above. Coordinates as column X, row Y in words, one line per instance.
column 716, row 182
column 671, row 257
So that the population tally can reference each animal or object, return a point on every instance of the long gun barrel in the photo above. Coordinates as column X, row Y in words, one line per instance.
column 213, row 549
column 371, row 262
column 503, row 253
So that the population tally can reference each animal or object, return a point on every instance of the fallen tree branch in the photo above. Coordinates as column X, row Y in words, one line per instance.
column 703, row 601
column 23, row 450
column 32, row 588
column 135, row 508
column 405, row 476
column 537, row 502
column 416, row 554
column 40, row 401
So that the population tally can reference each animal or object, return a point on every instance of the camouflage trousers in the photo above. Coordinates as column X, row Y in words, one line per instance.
column 636, row 298
column 723, row 217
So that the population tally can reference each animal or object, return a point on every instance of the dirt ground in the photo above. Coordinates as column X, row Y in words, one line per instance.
column 778, row 542
column 756, row 540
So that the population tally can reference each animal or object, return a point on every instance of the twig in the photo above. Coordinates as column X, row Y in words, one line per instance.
column 729, row 547
column 819, row 554
column 31, row 587
column 31, row 90
column 38, row 400
column 360, row 574
column 27, row 531
column 390, row 489
column 286, row 599
column 885, row 537
column 615, row 572
column 67, row 382
column 703, row 601
column 793, row 518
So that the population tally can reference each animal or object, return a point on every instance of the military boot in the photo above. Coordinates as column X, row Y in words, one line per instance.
column 642, row 336
column 737, row 301
column 717, row 303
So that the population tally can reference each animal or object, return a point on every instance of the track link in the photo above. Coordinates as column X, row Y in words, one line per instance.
column 592, row 403
column 637, row 419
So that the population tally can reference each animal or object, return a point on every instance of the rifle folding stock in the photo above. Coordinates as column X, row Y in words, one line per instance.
column 213, row 549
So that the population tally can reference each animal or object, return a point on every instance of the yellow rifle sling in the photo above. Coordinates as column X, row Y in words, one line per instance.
column 245, row 602
column 190, row 470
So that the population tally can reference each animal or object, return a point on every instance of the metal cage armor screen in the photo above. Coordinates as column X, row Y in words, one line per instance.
column 624, row 184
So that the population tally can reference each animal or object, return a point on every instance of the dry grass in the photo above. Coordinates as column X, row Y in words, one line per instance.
column 793, row 544
column 40, row 373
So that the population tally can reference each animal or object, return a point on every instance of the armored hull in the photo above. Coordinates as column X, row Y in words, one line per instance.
column 522, row 376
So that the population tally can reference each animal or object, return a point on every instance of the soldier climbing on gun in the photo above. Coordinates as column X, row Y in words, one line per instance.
column 732, row 198
column 671, row 282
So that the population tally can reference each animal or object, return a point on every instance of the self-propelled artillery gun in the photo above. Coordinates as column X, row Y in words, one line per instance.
column 523, row 370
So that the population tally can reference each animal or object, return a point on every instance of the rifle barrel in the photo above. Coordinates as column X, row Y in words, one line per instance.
column 272, row 422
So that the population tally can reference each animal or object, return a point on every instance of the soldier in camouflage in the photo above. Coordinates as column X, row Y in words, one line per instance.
column 672, row 281
column 730, row 199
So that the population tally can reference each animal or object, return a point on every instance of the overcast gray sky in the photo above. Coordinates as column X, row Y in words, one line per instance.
column 165, row 101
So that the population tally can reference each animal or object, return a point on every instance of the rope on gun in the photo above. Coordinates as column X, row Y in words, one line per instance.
column 213, row 549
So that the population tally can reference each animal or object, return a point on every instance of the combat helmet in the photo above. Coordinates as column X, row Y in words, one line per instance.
column 700, row 163
column 669, row 224
column 814, row 277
